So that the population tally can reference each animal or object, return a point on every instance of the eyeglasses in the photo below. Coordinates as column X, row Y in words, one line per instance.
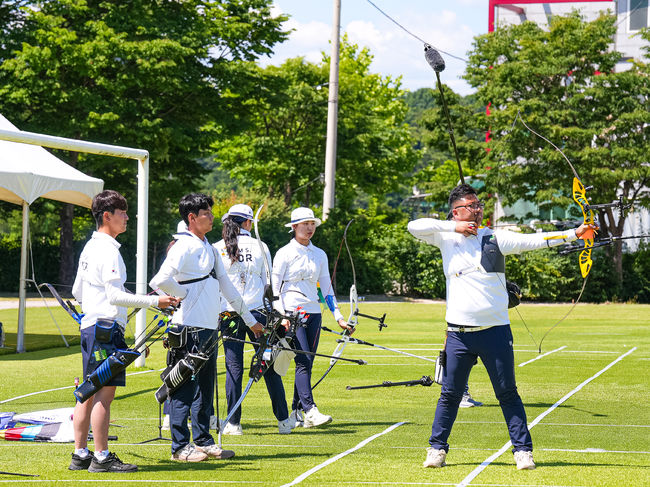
column 473, row 206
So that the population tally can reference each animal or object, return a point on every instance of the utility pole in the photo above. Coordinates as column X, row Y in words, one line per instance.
column 332, row 114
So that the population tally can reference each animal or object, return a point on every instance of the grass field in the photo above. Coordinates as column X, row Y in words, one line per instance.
column 598, row 360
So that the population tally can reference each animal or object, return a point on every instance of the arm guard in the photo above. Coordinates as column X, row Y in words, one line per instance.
column 114, row 365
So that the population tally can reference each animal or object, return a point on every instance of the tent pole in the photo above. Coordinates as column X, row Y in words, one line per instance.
column 20, row 334
column 141, row 249
column 142, row 156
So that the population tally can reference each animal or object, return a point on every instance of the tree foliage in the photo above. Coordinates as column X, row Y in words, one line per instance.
column 283, row 149
column 561, row 82
column 169, row 77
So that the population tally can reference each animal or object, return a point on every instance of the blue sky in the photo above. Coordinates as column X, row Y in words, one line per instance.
column 448, row 25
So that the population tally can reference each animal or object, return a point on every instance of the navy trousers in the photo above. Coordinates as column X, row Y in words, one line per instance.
column 234, row 352
column 306, row 339
column 194, row 397
column 494, row 347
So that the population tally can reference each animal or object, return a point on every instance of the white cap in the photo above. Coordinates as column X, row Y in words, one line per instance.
column 242, row 211
column 302, row 214
column 181, row 227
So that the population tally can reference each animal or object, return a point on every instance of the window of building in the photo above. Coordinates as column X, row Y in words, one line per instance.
column 638, row 14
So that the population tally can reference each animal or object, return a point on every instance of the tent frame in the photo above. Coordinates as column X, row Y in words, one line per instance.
column 142, row 157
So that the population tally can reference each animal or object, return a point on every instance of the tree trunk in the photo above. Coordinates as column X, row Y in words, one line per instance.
column 66, row 246
column 612, row 230
column 66, row 240
column 287, row 194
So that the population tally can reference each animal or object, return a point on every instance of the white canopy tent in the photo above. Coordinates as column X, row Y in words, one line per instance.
column 28, row 172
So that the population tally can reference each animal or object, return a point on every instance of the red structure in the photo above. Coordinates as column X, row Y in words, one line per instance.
column 513, row 6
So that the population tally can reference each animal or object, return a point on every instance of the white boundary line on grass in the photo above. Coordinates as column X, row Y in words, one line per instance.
column 543, row 355
column 329, row 461
column 67, row 387
column 132, row 481
column 474, row 473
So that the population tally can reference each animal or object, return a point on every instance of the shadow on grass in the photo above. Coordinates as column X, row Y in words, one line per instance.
column 243, row 462
column 546, row 405
column 120, row 397
column 556, row 464
column 46, row 351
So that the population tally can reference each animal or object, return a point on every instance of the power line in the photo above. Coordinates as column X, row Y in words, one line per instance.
column 413, row 35
column 640, row 5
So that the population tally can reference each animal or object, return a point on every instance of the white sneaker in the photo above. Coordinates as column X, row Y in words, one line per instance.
column 232, row 429
column 285, row 426
column 468, row 402
column 314, row 417
column 524, row 460
column 165, row 424
column 297, row 418
column 189, row 453
column 435, row 458
column 213, row 451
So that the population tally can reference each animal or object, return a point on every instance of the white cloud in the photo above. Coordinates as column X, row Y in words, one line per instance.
column 395, row 51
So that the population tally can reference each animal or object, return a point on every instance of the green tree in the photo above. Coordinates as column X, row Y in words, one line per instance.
column 283, row 150
column 561, row 82
column 169, row 77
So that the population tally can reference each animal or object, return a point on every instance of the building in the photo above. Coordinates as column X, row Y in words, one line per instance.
column 633, row 15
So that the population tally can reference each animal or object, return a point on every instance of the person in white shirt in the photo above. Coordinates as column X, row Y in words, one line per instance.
column 193, row 272
column 298, row 268
column 243, row 258
column 477, row 314
column 99, row 287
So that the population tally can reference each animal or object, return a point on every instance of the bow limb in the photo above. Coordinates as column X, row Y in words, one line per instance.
column 580, row 197
column 268, row 296
column 354, row 305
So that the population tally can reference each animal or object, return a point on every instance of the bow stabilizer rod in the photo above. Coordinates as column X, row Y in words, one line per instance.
column 425, row 380
column 348, row 339
column 295, row 350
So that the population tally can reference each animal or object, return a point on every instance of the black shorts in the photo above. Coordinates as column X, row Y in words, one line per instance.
column 93, row 353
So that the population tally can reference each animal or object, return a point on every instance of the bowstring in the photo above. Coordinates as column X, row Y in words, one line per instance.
column 518, row 117
column 500, row 142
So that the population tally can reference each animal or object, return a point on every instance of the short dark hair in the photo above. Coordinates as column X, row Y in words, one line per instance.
column 459, row 192
column 193, row 203
column 107, row 200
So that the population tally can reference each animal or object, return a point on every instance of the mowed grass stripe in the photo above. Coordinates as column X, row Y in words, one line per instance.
column 591, row 333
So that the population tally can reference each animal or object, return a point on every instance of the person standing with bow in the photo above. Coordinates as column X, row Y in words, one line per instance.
column 298, row 268
column 99, row 287
column 477, row 314
column 243, row 258
column 193, row 272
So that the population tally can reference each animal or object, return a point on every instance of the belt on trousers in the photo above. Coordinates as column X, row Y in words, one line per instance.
column 468, row 329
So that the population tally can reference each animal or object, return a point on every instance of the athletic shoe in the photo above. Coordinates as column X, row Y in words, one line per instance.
column 468, row 402
column 297, row 418
column 314, row 417
column 232, row 429
column 213, row 451
column 189, row 453
column 165, row 424
column 524, row 460
column 435, row 458
column 81, row 463
column 285, row 426
column 214, row 422
column 111, row 464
